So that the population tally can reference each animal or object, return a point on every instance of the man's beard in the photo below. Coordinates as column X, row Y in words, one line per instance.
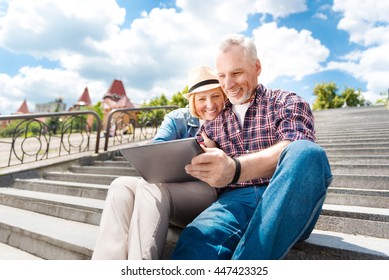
column 243, row 99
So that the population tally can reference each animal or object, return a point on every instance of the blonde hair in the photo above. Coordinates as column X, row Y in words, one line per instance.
column 192, row 107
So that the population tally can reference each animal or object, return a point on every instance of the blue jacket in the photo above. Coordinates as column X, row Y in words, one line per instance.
column 178, row 124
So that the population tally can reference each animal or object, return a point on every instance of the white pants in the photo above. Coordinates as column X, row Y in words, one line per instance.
column 136, row 216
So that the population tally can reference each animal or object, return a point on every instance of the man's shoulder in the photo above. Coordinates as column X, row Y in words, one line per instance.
column 282, row 96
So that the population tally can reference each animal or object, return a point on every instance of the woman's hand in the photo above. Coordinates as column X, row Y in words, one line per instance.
column 209, row 143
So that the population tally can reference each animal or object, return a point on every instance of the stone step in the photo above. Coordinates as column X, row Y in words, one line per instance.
column 46, row 237
column 119, row 163
column 358, row 197
column 118, row 158
column 11, row 253
column 351, row 124
column 354, row 140
column 342, row 134
column 95, row 191
column 361, row 181
column 361, row 169
column 85, row 210
column 119, row 171
column 325, row 245
column 367, row 221
column 366, row 145
column 357, row 151
column 321, row 245
column 359, row 159
column 80, row 178
column 347, row 130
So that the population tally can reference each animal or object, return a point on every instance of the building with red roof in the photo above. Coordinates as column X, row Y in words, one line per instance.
column 115, row 98
column 23, row 109
column 84, row 99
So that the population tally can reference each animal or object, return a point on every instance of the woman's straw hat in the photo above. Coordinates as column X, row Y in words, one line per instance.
column 201, row 78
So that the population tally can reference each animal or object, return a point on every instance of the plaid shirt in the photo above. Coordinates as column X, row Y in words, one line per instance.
column 272, row 116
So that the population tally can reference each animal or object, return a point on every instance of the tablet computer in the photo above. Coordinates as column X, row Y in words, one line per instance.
column 163, row 162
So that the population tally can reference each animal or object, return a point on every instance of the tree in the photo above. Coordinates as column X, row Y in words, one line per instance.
column 325, row 96
column 157, row 101
column 179, row 100
column 384, row 100
column 352, row 98
column 155, row 117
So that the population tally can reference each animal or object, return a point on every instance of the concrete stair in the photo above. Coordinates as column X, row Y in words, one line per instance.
column 54, row 212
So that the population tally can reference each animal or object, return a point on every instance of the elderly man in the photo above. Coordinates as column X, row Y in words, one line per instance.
column 272, row 177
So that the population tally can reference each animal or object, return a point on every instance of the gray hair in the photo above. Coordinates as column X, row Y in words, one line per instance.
column 239, row 40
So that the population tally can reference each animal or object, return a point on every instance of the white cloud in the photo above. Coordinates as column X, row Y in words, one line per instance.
column 3, row 7
column 280, row 8
column 89, row 44
column 39, row 85
column 320, row 16
column 287, row 52
column 367, row 23
column 47, row 28
column 154, row 53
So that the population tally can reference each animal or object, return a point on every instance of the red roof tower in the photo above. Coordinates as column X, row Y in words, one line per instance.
column 23, row 109
column 84, row 100
column 116, row 97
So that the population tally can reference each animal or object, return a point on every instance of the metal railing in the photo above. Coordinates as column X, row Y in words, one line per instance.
column 37, row 137
column 135, row 124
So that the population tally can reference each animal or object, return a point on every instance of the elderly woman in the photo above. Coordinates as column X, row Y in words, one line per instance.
column 137, row 214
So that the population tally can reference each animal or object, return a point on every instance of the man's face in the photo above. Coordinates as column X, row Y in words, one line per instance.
column 238, row 76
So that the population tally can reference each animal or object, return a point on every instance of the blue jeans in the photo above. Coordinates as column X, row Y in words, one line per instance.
column 262, row 222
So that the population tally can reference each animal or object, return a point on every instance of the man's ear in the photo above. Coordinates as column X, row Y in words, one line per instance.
column 258, row 67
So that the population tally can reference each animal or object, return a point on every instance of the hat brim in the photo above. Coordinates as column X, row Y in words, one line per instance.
column 201, row 89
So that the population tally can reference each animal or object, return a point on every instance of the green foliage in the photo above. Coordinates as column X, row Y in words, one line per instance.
column 98, row 108
column 53, row 123
column 25, row 128
column 384, row 100
column 155, row 117
column 179, row 100
column 327, row 97
column 352, row 98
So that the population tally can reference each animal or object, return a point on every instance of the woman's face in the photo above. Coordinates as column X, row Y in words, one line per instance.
column 208, row 104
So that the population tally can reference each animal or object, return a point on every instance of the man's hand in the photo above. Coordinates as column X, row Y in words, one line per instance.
column 213, row 167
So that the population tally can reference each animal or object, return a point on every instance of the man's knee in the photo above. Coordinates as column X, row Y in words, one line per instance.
column 303, row 151
column 303, row 156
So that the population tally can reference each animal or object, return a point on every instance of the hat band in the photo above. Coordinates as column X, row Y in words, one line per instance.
column 203, row 83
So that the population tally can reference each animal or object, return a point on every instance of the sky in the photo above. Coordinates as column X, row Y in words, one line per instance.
column 56, row 48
